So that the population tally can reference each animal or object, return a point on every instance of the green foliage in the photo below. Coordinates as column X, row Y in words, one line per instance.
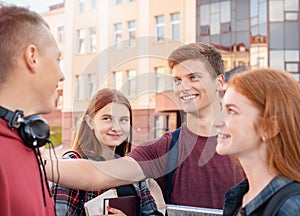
column 55, row 136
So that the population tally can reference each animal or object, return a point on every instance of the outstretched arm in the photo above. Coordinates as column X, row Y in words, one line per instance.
column 91, row 175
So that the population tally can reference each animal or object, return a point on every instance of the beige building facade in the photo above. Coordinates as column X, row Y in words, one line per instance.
column 121, row 44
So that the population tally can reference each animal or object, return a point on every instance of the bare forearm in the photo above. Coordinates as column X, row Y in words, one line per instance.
column 90, row 175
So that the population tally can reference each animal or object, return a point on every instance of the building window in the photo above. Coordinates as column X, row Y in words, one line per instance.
column 175, row 26
column 215, row 18
column 92, row 40
column 118, row 80
column 93, row 4
column 293, row 68
column 277, row 59
column 159, row 28
column 291, row 5
column 159, row 126
column 79, row 90
column 291, row 16
column 117, row 33
column 160, row 76
column 291, row 55
column 204, row 30
column 91, row 85
column 225, row 27
column 291, row 58
column 132, row 0
column 131, row 34
column 118, row 2
column 80, row 41
column 81, row 6
column 261, row 62
column 276, row 11
column 225, row 11
column 61, row 34
column 204, row 15
column 131, row 83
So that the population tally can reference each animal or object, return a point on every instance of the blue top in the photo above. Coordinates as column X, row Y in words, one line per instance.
column 234, row 197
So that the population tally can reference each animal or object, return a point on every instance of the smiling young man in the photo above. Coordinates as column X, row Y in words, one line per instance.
column 202, row 177
column 29, row 76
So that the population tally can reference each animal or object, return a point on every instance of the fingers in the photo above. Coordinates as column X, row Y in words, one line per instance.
column 115, row 211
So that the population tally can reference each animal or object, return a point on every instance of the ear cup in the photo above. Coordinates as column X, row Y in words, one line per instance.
column 34, row 131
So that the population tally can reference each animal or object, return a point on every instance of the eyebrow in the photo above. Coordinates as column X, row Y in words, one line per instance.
column 106, row 115
column 231, row 105
column 190, row 74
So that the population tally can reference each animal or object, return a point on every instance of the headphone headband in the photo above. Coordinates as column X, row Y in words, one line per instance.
column 11, row 117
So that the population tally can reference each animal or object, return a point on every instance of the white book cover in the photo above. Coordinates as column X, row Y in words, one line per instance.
column 95, row 206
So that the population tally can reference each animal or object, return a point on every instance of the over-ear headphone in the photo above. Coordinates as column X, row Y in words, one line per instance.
column 33, row 129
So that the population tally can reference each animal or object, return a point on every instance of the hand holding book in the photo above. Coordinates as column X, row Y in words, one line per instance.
column 109, row 203
column 127, row 205
column 95, row 206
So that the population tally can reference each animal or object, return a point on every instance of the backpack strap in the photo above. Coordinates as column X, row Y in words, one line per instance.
column 280, row 197
column 172, row 162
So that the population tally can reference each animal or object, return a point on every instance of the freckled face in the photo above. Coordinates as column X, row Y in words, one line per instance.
column 237, row 134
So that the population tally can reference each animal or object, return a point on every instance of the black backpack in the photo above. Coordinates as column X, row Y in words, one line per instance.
column 172, row 162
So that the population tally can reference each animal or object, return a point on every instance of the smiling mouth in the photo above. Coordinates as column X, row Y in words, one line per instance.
column 223, row 136
column 188, row 97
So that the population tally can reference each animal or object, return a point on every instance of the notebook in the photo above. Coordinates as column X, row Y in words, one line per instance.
column 127, row 204
column 95, row 206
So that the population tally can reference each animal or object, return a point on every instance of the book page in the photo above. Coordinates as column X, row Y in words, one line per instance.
column 95, row 206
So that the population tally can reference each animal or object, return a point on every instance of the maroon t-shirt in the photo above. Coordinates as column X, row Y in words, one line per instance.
column 20, row 182
column 202, row 177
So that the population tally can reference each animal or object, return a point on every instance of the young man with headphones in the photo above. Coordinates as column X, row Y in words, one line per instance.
column 29, row 76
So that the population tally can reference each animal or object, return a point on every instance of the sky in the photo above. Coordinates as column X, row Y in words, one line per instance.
column 35, row 5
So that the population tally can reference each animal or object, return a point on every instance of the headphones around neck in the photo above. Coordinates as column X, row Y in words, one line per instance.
column 33, row 129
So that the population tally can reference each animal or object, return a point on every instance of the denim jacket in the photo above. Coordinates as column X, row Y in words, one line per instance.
column 234, row 197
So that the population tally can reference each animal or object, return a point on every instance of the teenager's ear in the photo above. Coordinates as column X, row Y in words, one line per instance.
column 272, row 127
column 221, row 80
column 30, row 56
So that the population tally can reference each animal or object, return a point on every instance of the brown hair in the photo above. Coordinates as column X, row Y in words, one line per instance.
column 277, row 95
column 86, row 143
column 19, row 27
column 201, row 51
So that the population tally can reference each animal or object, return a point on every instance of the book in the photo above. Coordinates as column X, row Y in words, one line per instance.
column 127, row 204
column 95, row 206
column 174, row 210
